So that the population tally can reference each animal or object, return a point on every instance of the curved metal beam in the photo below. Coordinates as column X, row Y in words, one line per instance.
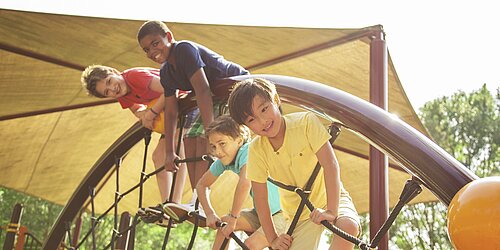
column 442, row 174
column 119, row 148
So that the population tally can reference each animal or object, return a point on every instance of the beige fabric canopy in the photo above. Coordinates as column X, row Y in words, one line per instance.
column 52, row 132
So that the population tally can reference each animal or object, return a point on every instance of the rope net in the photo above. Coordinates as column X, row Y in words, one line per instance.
column 157, row 214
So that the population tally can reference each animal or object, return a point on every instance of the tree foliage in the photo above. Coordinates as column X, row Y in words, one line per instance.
column 466, row 126
column 39, row 215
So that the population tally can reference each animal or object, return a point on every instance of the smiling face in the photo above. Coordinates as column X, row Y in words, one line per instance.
column 112, row 86
column 224, row 147
column 265, row 119
column 157, row 47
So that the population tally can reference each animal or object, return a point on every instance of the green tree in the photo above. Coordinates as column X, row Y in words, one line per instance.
column 38, row 215
column 466, row 126
column 147, row 236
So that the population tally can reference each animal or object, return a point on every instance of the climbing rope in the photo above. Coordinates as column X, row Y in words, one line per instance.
column 411, row 190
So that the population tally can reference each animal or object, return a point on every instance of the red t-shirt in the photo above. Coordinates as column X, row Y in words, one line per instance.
column 138, row 80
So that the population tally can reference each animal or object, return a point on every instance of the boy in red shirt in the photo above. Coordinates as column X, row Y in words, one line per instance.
column 134, row 89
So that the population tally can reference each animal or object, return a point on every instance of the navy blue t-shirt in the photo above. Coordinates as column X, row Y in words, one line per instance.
column 189, row 57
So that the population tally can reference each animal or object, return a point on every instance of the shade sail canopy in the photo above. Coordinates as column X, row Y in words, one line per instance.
column 52, row 132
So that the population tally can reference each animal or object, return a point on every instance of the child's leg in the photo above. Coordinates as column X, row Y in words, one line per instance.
column 190, row 151
column 180, row 179
column 193, row 126
column 306, row 235
column 258, row 239
column 201, row 166
column 164, row 178
column 202, row 144
column 349, row 226
column 241, row 225
column 347, row 220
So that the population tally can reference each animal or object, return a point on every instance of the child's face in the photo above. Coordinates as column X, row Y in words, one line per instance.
column 157, row 47
column 112, row 86
column 265, row 119
column 224, row 147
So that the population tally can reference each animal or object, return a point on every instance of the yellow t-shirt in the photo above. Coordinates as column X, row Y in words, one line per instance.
column 294, row 162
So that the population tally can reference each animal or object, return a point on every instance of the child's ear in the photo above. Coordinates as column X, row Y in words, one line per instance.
column 170, row 37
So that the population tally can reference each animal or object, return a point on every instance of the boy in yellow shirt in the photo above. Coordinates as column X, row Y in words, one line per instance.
column 287, row 148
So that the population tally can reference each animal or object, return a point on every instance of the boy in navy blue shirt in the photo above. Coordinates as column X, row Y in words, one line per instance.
column 187, row 66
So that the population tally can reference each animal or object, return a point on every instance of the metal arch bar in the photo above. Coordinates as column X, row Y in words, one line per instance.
column 121, row 146
column 442, row 174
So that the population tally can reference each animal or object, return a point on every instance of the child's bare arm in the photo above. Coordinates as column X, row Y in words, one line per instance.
column 263, row 210
column 203, row 96
column 201, row 188
column 155, row 86
column 136, row 110
column 241, row 192
column 170, row 120
column 140, row 111
column 151, row 115
column 328, row 161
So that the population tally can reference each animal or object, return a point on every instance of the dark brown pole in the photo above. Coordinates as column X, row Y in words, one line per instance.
column 131, row 237
column 13, row 227
column 379, row 197
column 121, row 242
column 21, row 238
column 76, row 230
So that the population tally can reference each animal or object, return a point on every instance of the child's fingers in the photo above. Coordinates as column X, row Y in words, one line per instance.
column 287, row 239
column 283, row 241
column 211, row 224
column 226, row 232
column 314, row 216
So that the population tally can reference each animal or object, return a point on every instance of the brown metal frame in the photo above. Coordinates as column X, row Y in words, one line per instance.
column 379, row 179
column 57, row 109
column 13, row 227
column 42, row 57
column 121, row 146
column 418, row 155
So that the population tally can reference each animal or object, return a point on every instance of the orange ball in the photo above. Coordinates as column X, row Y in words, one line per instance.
column 158, row 124
column 474, row 215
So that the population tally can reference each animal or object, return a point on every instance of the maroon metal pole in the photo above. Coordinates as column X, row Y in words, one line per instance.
column 122, row 241
column 13, row 227
column 379, row 197
column 76, row 230
column 131, row 237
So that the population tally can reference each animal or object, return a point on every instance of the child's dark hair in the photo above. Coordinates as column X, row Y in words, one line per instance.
column 94, row 73
column 225, row 125
column 152, row 27
column 241, row 97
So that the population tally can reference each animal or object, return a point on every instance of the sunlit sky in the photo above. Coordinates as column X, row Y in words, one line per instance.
column 438, row 47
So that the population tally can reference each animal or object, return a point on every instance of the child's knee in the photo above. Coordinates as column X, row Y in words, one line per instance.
column 348, row 225
column 252, row 243
column 158, row 159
